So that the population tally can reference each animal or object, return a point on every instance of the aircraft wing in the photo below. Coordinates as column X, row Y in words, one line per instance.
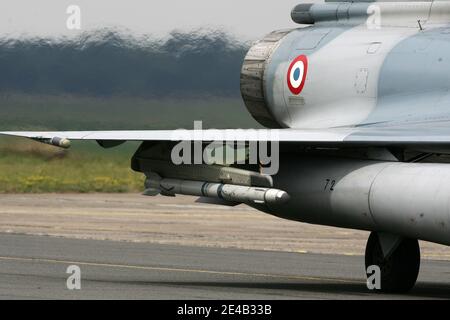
column 282, row 135
column 433, row 135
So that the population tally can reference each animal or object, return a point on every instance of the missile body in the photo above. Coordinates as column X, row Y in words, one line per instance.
column 228, row 192
column 55, row 141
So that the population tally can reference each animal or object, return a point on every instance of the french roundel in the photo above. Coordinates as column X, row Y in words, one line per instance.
column 296, row 74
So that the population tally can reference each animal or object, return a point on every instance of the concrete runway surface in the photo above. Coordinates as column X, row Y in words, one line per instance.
column 129, row 246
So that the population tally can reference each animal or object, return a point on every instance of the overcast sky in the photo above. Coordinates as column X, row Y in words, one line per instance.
column 246, row 19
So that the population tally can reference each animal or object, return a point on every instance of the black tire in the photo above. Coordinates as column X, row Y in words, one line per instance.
column 400, row 270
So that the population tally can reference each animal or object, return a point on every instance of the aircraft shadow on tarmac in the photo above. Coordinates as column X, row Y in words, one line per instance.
column 422, row 289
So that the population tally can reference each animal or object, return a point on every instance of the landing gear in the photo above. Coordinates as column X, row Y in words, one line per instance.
column 398, row 260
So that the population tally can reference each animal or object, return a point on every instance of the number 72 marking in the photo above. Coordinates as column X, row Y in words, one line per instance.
column 329, row 184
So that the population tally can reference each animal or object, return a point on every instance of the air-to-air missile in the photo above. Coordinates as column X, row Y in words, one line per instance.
column 233, row 193
column 55, row 141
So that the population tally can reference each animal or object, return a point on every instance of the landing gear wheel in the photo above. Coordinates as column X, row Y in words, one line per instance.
column 400, row 269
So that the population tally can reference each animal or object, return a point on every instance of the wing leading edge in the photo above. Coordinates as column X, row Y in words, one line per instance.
column 434, row 135
column 281, row 135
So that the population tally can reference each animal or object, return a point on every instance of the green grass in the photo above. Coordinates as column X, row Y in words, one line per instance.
column 27, row 166
column 31, row 167
column 60, row 112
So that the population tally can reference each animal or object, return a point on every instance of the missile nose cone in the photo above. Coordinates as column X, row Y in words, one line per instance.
column 65, row 143
column 276, row 196
column 58, row 142
column 282, row 197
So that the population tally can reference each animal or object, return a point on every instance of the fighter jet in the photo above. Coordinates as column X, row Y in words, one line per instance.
column 354, row 99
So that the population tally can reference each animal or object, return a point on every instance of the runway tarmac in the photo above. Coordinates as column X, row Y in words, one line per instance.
column 34, row 267
column 131, row 246
column 176, row 221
